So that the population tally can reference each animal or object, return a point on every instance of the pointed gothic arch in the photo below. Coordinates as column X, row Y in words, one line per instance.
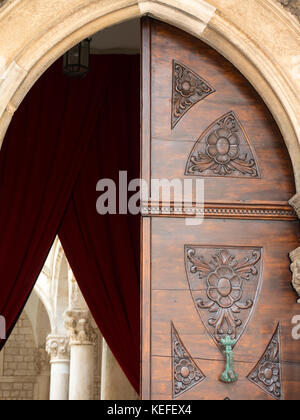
column 52, row 28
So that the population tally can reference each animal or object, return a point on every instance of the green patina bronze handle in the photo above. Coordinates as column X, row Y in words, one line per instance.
column 229, row 375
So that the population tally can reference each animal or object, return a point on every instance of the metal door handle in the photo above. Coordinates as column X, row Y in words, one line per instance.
column 229, row 375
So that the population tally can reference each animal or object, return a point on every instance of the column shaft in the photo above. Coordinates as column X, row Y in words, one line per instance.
column 59, row 381
column 58, row 349
column 82, row 372
column 82, row 339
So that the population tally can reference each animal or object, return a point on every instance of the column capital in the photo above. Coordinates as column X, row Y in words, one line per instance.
column 295, row 203
column 295, row 268
column 57, row 346
column 79, row 326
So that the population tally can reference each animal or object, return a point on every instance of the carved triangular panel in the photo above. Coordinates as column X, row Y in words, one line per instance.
column 188, row 89
column 185, row 372
column 225, row 284
column 224, row 149
column 267, row 373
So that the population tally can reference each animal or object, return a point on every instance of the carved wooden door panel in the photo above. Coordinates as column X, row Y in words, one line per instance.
column 227, row 278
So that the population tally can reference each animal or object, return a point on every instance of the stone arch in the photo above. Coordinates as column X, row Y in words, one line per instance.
column 238, row 30
column 49, row 285
column 59, row 289
column 61, row 298
column 41, row 294
column 39, row 314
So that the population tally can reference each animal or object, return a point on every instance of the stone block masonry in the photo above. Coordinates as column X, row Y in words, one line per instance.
column 19, row 368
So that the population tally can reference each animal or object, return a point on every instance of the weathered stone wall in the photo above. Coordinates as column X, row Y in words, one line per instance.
column 19, row 370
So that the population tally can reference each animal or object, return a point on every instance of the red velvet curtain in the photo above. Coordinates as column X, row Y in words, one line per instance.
column 105, row 258
column 66, row 136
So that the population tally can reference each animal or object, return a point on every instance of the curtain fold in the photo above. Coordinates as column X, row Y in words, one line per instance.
column 103, row 250
column 66, row 135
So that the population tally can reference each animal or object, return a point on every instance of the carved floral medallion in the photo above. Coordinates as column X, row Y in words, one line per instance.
column 267, row 373
column 186, row 373
column 188, row 89
column 224, row 284
column 223, row 150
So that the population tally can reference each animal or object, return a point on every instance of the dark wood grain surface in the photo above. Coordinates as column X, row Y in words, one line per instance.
column 170, row 148
column 167, row 297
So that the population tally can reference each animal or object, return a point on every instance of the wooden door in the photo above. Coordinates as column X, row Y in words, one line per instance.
column 229, row 276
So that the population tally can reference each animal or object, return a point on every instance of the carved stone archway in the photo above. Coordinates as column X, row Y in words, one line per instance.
column 258, row 36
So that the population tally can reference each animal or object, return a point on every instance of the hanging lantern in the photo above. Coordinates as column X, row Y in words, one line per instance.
column 77, row 60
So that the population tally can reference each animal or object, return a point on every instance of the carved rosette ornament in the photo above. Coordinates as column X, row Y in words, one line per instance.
column 188, row 89
column 186, row 373
column 267, row 373
column 224, row 284
column 78, row 325
column 223, row 150
column 58, row 348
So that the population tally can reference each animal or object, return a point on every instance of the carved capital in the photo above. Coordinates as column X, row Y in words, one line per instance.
column 57, row 347
column 295, row 268
column 79, row 327
column 295, row 203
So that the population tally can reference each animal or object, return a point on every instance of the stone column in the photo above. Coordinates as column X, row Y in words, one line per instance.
column 42, row 388
column 82, row 339
column 58, row 349
column 114, row 383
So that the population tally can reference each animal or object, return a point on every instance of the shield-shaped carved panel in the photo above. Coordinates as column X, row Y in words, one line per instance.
column 225, row 150
column 225, row 284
